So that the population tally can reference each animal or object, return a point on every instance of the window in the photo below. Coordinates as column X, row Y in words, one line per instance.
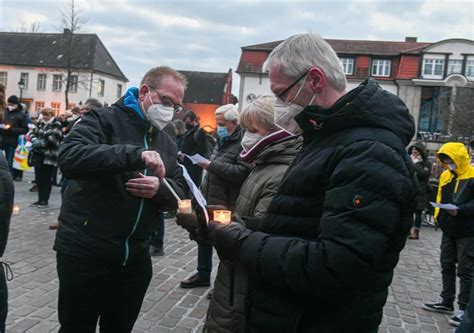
column 469, row 69
column 57, row 82
column 3, row 78
column 73, row 80
column 38, row 106
column 41, row 84
column 455, row 66
column 433, row 68
column 101, row 88
column 56, row 106
column 24, row 78
column 119, row 90
column 381, row 67
column 348, row 64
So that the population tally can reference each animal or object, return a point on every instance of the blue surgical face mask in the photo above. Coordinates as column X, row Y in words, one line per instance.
column 222, row 132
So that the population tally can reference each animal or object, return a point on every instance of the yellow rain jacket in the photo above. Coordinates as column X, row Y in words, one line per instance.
column 456, row 187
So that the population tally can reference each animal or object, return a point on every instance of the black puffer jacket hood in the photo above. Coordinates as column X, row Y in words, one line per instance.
column 360, row 108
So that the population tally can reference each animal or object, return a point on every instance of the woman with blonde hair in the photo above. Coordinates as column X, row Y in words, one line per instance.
column 271, row 151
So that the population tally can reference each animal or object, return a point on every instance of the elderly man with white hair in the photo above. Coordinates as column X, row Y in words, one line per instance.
column 226, row 173
column 322, row 257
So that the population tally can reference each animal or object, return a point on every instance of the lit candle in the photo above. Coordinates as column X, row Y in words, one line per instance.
column 16, row 210
column 184, row 206
column 222, row 216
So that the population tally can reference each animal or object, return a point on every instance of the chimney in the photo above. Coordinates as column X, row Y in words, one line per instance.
column 411, row 39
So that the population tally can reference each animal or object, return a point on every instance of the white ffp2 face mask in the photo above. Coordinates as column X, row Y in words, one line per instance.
column 285, row 113
column 452, row 166
column 250, row 139
column 159, row 115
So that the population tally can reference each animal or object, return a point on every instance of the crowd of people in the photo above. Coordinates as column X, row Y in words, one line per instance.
column 323, row 191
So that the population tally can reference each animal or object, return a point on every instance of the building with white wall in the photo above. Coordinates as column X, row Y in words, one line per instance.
column 40, row 61
column 419, row 73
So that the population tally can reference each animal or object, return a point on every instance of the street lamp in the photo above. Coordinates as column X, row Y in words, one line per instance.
column 21, row 86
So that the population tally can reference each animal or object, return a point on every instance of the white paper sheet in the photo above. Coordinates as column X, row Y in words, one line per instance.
column 195, row 191
column 196, row 158
column 443, row 206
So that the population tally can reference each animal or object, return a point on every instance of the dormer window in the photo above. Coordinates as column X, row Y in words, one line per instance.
column 381, row 67
column 454, row 67
column 348, row 65
column 433, row 68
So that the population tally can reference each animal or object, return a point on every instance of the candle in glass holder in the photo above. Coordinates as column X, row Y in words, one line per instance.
column 184, row 206
column 222, row 216
column 16, row 210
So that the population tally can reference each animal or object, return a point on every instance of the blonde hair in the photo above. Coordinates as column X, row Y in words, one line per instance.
column 48, row 111
column 154, row 76
column 259, row 113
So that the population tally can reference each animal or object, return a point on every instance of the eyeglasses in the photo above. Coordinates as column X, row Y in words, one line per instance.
column 280, row 95
column 168, row 102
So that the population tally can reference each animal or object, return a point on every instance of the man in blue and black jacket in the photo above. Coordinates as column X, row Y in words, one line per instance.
column 115, row 159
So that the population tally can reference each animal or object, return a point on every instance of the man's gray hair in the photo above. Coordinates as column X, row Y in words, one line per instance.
column 229, row 111
column 154, row 76
column 299, row 53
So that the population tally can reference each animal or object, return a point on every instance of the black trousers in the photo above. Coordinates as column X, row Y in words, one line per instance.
column 90, row 291
column 43, row 180
column 3, row 298
column 460, row 252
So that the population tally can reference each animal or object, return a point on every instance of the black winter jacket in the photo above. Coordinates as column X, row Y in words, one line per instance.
column 226, row 173
column 17, row 122
column 324, row 255
column 99, row 219
column 7, row 194
column 423, row 172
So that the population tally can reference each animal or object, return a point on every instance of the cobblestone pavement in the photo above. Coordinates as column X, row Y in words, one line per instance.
column 169, row 308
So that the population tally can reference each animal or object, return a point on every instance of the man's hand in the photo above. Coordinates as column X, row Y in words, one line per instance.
column 453, row 212
column 205, row 164
column 227, row 238
column 190, row 223
column 144, row 186
column 154, row 163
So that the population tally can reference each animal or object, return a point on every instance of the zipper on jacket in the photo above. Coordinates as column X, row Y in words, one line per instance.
column 139, row 215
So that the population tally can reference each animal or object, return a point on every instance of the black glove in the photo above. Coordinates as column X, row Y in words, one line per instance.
column 228, row 238
column 190, row 223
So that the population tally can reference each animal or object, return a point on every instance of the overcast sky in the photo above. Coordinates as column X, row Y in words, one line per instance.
column 208, row 35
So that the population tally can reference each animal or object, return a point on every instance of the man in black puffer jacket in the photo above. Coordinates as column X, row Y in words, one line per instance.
column 323, row 256
column 115, row 159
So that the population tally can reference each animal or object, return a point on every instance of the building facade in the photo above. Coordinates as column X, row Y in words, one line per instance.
column 428, row 77
column 205, row 93
column 40, row 62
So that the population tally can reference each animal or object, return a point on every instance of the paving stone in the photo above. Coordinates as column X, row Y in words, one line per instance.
column 169, row 308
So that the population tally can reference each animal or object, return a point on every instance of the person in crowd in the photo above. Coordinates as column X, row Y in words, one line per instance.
column 195, row 142
column 115, row 159
column 180, row 132
column 91, row 103
column 271, row 150
column 419, row 157
column 7, row 193
column 45, row 140
column 226, row 173
column 456, row 186
column 15, row 123
column 322, row 257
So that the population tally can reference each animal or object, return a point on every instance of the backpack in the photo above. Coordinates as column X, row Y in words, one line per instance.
column 210, row 142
